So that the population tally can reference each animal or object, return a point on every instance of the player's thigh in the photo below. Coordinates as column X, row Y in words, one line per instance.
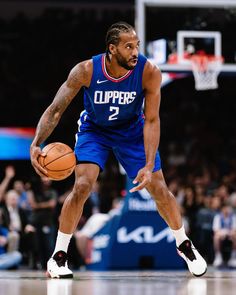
column 92, row 147
column 132, row 157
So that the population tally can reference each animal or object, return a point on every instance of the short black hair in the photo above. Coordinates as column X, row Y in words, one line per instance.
column 113, row 33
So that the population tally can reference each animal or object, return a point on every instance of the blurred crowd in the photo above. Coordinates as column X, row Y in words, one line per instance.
column 29, row 213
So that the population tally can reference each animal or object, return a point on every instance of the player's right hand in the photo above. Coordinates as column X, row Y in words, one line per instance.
column 35, row 152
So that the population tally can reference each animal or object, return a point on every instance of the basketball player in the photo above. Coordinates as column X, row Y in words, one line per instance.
column 115, row 86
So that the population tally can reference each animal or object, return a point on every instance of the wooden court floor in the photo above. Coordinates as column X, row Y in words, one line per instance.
column 119, row 283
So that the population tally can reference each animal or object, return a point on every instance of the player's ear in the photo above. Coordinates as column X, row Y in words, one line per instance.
column 112, row 48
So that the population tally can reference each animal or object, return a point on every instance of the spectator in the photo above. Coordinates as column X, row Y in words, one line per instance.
column 232, row 200
column 43, row 201
column 223, row 193
column 15, row 220
column 224, row 227
column 23, row 201
column 7, row 260
column 204, row 222
column 9, row 174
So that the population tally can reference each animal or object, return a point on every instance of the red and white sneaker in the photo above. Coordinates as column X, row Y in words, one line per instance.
column 195, row 262
column 57, row 266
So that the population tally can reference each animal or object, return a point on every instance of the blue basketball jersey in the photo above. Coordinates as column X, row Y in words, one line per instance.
column 113, row 119
column 111, row 102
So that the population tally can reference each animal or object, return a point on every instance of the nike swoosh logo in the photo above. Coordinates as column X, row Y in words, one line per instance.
column 103, row 81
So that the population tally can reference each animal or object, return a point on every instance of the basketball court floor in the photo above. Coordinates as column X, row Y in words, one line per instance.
column 119, row 283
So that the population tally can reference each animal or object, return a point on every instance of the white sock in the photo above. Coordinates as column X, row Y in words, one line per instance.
column 62, row 242
column 179, row 235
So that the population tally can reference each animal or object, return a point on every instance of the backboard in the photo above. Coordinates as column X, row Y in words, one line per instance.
column 187, row 25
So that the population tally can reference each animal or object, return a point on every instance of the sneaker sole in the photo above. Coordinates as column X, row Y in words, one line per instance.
column 179, row 253
column 51, row 276
column 200, row 274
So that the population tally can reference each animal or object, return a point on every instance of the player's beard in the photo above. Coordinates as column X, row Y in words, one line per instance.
column 123, row 62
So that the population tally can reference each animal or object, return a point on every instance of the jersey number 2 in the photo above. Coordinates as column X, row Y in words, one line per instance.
column 115, row 111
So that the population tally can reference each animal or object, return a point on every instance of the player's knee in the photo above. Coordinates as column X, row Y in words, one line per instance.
column 82, row 188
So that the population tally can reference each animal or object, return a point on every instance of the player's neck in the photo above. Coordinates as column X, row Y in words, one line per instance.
column 114, row 69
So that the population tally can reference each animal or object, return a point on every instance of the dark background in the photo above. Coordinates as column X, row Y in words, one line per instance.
column 40, row 42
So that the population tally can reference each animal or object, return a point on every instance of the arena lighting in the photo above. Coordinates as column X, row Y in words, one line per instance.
column 15, row 143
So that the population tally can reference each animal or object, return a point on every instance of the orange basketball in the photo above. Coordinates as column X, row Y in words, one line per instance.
column 59, row 161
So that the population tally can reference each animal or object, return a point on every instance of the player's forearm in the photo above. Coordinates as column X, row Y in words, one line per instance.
column 46, row 125
column 151, row 141
column 53, row 113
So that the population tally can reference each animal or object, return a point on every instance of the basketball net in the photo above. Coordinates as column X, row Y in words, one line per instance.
column 205, row 71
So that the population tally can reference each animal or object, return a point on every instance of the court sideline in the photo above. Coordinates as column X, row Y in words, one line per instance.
column 119, row 283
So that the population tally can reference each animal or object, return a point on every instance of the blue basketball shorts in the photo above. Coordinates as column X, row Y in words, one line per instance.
column 94, row 143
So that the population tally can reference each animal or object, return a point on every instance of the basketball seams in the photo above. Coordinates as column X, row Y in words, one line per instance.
column 53, row 145
column 58, row 159
column 61, row 170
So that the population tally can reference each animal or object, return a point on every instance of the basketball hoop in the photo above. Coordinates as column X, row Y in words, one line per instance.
column 206, row 70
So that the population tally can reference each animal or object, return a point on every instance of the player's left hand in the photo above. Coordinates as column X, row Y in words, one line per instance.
column 143, row 177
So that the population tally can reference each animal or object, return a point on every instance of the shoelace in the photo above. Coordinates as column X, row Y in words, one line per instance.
column 187, row 249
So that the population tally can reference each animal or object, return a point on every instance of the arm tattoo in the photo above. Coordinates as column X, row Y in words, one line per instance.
column 79, row 76
column 53, row 113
